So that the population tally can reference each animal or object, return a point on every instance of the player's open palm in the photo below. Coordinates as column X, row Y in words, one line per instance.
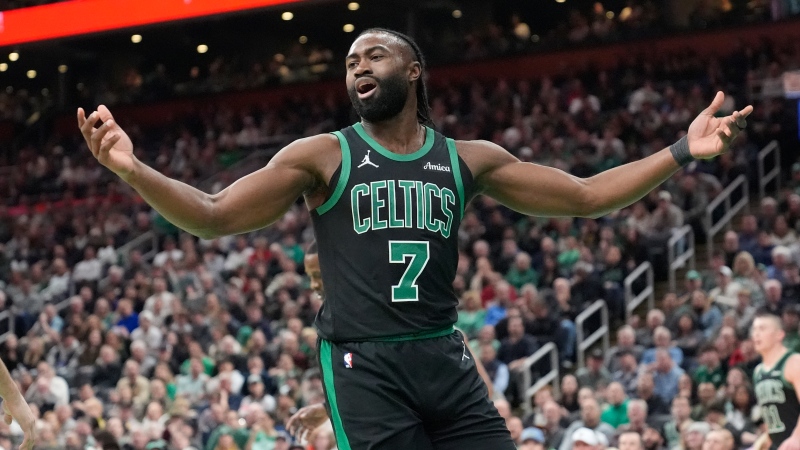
column 790, row 444
column 109, row 143
column 710, row 136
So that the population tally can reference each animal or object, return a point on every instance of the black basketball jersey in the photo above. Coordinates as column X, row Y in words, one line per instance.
column 387, row 239
column 777, row 398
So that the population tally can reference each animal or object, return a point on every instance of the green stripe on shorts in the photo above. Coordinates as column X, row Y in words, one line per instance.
column 342, row 442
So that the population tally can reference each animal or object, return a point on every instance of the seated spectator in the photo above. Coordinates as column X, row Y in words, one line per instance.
column 773, row 297
column 791, row 326
column 637, row 416
column 726, row 289
column 628, row 373
column 626, row 343
column 472, row 315
column 646, row 391
column 257, row 396
column 497, row 371
column 590, row 419
column 553, row 428
column 521, row 272
column 715, row 416
column 569, row 394
column 665, row 375
column 138, row 385
column 646, row 335
column 710, row 370
column 710, row 317
column 497, row 309
column 688, row 338
column 744, row 273
column 680, row 413
column 192, row 385
column 615, row 412
column 594, row 374
column 742, row 414
column 706, row 395
column 662, row 340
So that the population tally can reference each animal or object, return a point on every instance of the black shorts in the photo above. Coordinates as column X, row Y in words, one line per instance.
column 412, row 395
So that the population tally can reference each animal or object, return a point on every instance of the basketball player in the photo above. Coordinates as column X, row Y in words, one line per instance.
column 777, row 382
column 386, row 197
column 15, row 408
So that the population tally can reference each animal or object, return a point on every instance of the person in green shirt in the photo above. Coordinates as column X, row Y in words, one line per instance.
column 471, row 316
column 521, row 273
column 196, row 351
column 791, row 322
column 616, row 412
column 710, row 370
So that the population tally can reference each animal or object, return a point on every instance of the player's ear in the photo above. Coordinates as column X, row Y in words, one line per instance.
column 414, row 71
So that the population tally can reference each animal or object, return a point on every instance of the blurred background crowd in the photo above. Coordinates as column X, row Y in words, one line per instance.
column 120, row 328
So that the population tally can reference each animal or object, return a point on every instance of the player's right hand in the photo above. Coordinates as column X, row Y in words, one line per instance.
column 306, row 420
column 109, row 143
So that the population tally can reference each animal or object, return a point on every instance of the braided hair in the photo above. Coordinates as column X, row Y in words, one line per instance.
column 423, row 107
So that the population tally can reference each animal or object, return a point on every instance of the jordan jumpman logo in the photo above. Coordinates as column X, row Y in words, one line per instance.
column 464, row 354
column 366, row 161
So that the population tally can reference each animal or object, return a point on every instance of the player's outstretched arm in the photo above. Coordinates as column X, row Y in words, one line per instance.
column 791, row 372
column 544, row 191
column 15, row 406
column 250, row 203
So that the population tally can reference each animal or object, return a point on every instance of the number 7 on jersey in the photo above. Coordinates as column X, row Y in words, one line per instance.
column 400, row 252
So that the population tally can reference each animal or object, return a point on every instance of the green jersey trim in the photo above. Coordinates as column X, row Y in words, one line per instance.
column 344, row 176
column 451, row 147
column 417, row 336
column 426, row 147
column 327, row 377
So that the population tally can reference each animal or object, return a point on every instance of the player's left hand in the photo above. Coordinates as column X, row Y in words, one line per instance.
column 790, row 444
column 306, row 420
column 710, row 136
column 24, row 417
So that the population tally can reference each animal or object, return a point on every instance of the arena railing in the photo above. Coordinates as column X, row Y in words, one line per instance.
column 774, row 149
column 648, row 293
column 552, row 377
column 140, row 242
column 725, row 198
column 682, row 237
column 585, row 342
column 8, row 314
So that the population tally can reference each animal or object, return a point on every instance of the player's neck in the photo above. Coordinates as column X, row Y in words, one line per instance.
column 771, row 356
column 401, row 134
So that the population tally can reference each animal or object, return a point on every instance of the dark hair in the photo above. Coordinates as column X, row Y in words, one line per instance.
column 423, row 108
column 764, row 313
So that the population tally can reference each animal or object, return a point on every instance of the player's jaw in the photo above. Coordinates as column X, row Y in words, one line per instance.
column 379, row 99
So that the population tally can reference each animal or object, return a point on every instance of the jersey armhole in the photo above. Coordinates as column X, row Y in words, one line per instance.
column 454, row 163
column 344, row 176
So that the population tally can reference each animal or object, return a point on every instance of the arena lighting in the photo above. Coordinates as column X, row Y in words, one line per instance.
column 287, row 16
column 303, row 39
column 3, row 67
column 31, row 74
column 353, row 6
column 76, row 17
column 348, row 28
column 202, row 48
column 560, row 1
column 457, row 13
column 136, row 38
column 62, row 68
column 13, row 56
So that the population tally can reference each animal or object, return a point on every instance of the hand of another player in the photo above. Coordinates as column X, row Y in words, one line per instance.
column 109, row 143
column 306, row 420
column 24, row 416
column 710, row 136
column 790, row 444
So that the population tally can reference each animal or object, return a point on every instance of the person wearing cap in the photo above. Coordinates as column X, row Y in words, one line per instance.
column 694, row 281
column 258, row 396
column 532, row 439
column 726, row 288
column 585, row 439
column 594, row 374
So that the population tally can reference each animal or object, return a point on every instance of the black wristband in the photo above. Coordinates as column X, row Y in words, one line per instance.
column 680, row 151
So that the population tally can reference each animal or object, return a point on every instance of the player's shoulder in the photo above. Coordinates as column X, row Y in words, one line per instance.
column 791, row 368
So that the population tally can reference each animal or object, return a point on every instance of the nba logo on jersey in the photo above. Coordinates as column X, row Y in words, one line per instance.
column 348, row 360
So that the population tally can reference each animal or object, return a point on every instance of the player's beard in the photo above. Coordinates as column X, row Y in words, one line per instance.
column 382, row 105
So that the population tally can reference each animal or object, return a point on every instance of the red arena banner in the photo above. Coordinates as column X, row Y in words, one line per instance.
column 78, row 17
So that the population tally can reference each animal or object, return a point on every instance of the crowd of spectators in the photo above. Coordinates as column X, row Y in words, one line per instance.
column 209, row 344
